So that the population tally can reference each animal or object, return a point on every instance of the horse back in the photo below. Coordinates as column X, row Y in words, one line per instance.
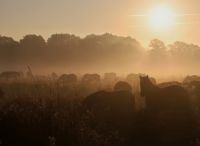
column 174, row 97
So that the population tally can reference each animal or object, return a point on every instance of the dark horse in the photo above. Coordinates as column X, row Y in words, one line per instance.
column 168, row 114
column 172, row 97
column 111, row 110
column 115, row 105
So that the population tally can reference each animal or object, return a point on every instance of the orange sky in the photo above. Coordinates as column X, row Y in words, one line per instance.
column 82, row 17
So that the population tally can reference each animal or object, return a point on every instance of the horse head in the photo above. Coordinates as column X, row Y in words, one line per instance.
column 146, row 85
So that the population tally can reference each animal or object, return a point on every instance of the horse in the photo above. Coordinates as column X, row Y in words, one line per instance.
column 169, row 113
column 170, row 97
column 111, row 110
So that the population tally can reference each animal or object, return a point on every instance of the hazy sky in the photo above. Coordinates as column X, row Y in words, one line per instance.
column 82, row 17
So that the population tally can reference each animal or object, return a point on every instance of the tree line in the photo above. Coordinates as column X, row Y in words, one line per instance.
column 101, row 51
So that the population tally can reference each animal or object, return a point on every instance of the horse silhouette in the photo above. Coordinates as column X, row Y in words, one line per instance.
column 113, row 102
column 169, row 97
column 134, row 80
column 114, row 110
column 169, row 113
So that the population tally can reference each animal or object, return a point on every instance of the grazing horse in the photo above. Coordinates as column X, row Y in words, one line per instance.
column 114, row 110
column 114, row 103
column 169, row 113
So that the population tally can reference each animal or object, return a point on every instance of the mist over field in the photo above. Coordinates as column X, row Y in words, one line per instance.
column 98, row 53
column 99, row 73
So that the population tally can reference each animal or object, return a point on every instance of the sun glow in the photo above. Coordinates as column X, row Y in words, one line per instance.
column 161, row 18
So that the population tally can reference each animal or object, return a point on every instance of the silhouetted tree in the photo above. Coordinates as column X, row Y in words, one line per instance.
column 63, row 47
column 33, row 48
column 184, row 53
column 157, row 55
column 9, row 50
column 122, row 86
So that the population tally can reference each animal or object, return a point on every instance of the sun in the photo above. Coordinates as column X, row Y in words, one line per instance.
column 161, row 17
